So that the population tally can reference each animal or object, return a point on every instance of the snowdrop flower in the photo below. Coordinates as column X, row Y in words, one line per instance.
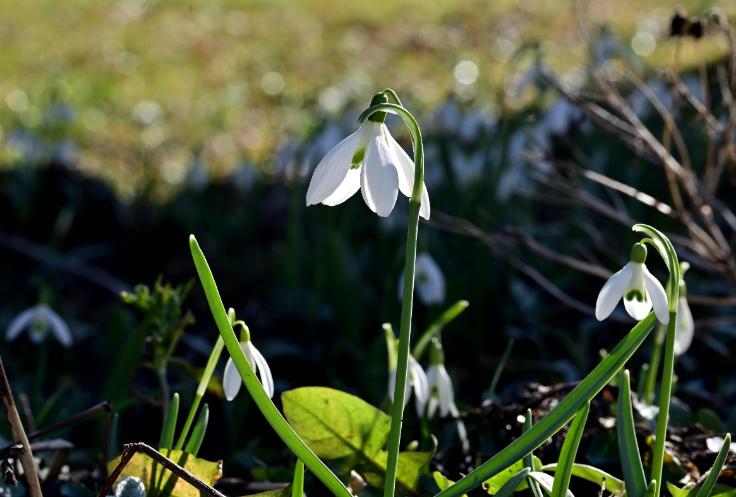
column 684, row 324
column 232, row 380
column 39, row 319
column 418, row 380
column 640, row 290
column 371, row 161
column 441, row 393
column 430, row 282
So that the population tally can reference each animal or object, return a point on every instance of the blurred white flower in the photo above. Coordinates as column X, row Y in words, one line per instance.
column 441, row 392
column 684, row 324
column 232, row 380
column 430, row 282
column 369, row 160
column 640, row 290
column 418, row 380
column 39, row 319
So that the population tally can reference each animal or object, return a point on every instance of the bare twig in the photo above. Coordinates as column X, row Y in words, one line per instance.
column 17, row 449
column 19, row 435
column 102, row 406
column 130, row 449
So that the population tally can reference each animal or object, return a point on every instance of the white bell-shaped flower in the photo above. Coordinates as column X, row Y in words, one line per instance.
column 684, row 324
column 418, row 380
column 441, row 392
column 232, row 380
column 430, row 281
column 640, row 290
column 369, row 160
column 39, row 320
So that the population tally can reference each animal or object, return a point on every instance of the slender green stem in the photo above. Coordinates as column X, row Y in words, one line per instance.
column 500, row 368
column 264, row 403
column 654, row 363
column 297, row 487
column 201, row 389
column 664, row 401
column 415, row 203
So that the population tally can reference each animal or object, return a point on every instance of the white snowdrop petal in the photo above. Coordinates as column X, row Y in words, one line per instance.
column 392, row 385
column 265, row 372
column 685, row 327
column 657, row 296
column 419, row 382
column 612, row 292
column 59, row 328
column 379, row 180
column 332, row 170
column 432, row 403
column 406, row 176
column 444, row 391
column 638, row 310
column 347, row 188
column 248, row 351
column 19, row 323
column 231, row 380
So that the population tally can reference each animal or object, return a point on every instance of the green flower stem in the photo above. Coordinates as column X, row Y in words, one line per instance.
column 297, row 486
column 264, row 403
column 201, row 389
column 665, row 395
column 654, row 363
column 415, row 202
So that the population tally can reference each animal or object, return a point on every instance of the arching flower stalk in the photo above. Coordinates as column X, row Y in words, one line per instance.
column 232, row 380
column 39, row 320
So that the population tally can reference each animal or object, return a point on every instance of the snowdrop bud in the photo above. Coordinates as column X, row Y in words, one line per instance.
column 378, row 117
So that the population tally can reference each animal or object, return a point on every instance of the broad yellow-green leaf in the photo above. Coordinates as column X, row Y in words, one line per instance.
column 284, row 492
column 592, row 474
column 494, row 484
column 339, row 426
column 160, row 482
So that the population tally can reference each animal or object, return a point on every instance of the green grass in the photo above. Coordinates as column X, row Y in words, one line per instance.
column 203, row 65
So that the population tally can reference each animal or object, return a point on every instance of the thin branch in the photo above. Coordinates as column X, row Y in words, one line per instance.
column 130, row 449
column 19, row 434
column 102, row 406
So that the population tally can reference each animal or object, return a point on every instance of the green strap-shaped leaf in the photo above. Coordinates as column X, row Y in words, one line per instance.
column 636, row 484
column 546, row 481
column 297, row 487
column 167, row 432
column 592, row 474
column 446, row 318
column 715, row 471
column 195, row 441
column 565, row 410
column 529, row 458
column 569, row 451
column 508, row 488
column 262, row 400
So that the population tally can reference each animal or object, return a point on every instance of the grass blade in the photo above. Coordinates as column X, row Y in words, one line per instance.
column 446, row 318
column 652, row 490
column 509, row 487
column 529, row 458
column 565, row 410
column 594, row 475
column 545, row 481
column 636, row 484
column 297, row 487
column 195, row 442
column 715, row 471
column 569, row 450
column 264, row 403
column 167, row 432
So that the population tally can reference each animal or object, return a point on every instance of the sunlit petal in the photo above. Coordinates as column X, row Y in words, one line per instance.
column 421, row 387
column 638, row 310
column 265, row 371
column 379, row 180
column 406, row 176
column 59, row 328
column 612, row 292
column 657, row 296
column 332, row 170
column 430, row 281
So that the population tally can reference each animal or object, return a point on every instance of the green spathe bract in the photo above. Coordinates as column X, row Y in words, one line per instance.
column 254, row 386
column 564, row 412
